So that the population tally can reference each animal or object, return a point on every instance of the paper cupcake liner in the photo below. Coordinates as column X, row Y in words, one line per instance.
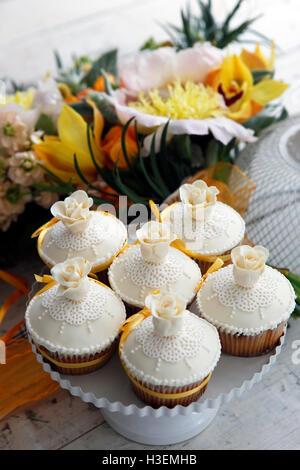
column 247, row 346
column 156, row 402
column 77, row 359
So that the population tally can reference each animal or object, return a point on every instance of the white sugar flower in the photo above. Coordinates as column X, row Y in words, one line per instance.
column 248, row 264
column 155, row 238
column 74, row 211
column 71, row 276
column 167, row 311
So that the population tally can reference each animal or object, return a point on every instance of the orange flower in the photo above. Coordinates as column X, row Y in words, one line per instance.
column 257, row 60
column 99, row 84
column 111, row 145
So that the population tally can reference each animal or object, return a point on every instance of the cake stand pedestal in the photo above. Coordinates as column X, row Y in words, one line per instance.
column 109, row 389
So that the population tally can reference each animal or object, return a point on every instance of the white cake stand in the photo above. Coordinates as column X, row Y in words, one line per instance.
column 109, row 389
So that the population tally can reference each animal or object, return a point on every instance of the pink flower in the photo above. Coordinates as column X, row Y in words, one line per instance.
column 23, row 169
column 15, row 127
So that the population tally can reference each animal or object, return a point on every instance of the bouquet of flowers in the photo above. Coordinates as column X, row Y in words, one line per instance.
column 137, row 127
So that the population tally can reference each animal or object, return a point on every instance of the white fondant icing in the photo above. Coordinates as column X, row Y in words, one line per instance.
column 104, row 237
column 248, row 311
column 222, row 230
column 133, row 278
column 178, row 360
column 87, row 326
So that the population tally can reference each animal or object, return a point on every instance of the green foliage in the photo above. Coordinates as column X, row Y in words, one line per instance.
column 75, row 76
column 295, row 281
column 269, row 115
column 204, row 27
column 107, row 62
column 259, row 75
column 161, row 172
column 45, row 124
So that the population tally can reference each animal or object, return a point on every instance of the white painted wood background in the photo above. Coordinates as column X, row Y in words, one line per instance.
column 267, row 417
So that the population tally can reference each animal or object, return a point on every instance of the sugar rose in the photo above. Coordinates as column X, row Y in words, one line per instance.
column 198, row 197
column 248, row 264
column 71, row 276
column 167, row 311
column 155, row 238
column 74, row 211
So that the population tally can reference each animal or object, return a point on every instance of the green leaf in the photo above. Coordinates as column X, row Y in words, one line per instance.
column 148, row 177
column 123, row 142
column 269, row 115
column 58, row 60
column 66, row 188
column 107, row 62
column 83, row 108
column 106, row 108
column 231, row 15
column 128, row 191
column 155, row 170
column 45, row 124
column 211, row 154
column 259, row 75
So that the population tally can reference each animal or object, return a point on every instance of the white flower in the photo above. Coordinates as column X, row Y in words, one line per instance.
column 248, row 264
column 48, row 99
column 149, row 70
column 167, row 311
column 198, row 198
column 155, row 238
column 74, row 211
column 71, row 276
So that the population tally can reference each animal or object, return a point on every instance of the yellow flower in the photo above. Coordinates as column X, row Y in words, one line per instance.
column 23, row 98
column 257, row 60
column 184, row 101
column 57, row 153
column 233, row 79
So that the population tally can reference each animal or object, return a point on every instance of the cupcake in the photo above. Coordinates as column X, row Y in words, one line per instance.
column 248, row 302
column 75, row 320
column 168, row 352
column 153, row 264
column 77, row 231
column 206, row 227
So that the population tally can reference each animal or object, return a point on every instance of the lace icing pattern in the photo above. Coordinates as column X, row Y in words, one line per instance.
column 95, row 233
column 152, row 275
column 217, row 224
column 248, row 300
column 76, row 313
column 170, row 348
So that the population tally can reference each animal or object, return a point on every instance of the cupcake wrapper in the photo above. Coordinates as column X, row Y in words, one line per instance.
column 247, row 346
column 77, row 359
column 156, row 402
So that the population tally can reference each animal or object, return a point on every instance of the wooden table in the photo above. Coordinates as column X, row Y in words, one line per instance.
column 267, row 417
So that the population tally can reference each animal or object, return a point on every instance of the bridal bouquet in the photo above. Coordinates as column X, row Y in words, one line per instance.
column 137, row 127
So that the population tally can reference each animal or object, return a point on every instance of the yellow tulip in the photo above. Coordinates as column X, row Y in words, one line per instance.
column 57, row 153
column 233, row 79
column 257, row 60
